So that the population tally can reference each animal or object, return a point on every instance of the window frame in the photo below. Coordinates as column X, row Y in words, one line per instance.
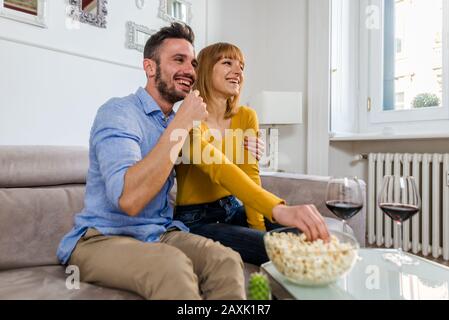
column 371, row 74
column 344, row 111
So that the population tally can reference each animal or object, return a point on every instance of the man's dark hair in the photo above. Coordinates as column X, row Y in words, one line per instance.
column 175, row 31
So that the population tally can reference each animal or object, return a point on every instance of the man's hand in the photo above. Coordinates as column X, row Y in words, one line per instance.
column 192, row 109
column 144, row 180
column 306, row 218
column 256, row 146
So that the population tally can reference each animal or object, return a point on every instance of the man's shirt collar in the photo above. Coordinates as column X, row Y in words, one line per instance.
column 148, row 103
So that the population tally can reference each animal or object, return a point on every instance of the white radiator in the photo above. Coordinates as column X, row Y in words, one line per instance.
column 428, row 231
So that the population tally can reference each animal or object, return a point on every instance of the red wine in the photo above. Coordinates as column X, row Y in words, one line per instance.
column 399, row 212
column 342, row 209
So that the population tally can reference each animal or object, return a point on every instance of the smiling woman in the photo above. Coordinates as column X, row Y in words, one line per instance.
column 206, row 194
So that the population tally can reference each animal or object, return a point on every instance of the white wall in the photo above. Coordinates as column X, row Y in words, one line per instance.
column 49, row 96
column 273, row 38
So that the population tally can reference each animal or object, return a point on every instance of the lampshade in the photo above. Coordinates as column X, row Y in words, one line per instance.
column 277, row 107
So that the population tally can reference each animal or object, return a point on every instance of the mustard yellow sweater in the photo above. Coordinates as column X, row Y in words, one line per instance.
column 218, row 168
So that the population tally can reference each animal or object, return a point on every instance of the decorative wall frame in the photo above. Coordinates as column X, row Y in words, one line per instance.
column 97, row 18
column 31, row 12
column 175, row 11
column 137, row 35
column 140, row 4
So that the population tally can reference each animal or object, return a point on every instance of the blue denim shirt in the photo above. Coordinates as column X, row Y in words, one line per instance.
column 125, row 130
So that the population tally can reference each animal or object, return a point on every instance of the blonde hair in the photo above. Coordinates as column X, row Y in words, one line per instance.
column 207, row 58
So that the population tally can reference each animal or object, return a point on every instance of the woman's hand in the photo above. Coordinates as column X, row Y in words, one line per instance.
column 305, row 217
column 255, row 145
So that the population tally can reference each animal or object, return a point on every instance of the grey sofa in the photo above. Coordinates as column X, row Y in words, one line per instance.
column 42, row 187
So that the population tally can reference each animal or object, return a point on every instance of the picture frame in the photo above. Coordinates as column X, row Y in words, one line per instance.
column 27, row 11
column 96, row 18
column 137, row 35
column 175, row 11
column 140, row 4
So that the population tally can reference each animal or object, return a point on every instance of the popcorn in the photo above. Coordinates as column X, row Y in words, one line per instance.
column 309, row 263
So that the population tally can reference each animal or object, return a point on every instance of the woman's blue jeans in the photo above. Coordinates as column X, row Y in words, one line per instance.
column 225, row 221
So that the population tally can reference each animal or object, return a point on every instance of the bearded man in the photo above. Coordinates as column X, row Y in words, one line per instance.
column 125, row 237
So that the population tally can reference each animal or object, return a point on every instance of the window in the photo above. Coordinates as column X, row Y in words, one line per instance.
column 389, row 67
column 411, row 72
column 400, row 100
column 398, row 46
column 406, row 61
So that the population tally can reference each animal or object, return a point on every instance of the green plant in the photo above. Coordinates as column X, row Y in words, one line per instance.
column 425, row 100
column 259, row 288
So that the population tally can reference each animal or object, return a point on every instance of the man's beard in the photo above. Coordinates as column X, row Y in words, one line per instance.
column 168, row 94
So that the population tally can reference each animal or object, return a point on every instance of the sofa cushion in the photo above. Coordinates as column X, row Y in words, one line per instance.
column 49, row 282
column 33, row 221
column 35, row 166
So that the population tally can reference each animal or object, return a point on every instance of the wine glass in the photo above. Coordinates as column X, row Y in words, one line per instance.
column 399, row 199
column 344, row 197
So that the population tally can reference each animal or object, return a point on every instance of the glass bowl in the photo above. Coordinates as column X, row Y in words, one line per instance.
column 311, row 263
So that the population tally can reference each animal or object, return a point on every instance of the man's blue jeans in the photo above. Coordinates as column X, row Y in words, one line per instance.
column 225, row 221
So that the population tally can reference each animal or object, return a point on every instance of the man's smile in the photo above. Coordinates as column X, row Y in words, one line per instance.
column 184, row 82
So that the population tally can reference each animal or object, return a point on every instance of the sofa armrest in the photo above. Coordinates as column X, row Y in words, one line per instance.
column 298, row 189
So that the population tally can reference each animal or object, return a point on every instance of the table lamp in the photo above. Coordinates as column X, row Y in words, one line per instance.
column 276, row 108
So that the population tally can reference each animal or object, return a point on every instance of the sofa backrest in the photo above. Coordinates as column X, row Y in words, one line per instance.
column 41, row 189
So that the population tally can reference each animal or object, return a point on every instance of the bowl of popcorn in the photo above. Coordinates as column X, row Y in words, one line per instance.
column 309, row 263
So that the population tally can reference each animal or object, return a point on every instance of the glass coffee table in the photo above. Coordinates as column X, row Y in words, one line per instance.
column 372, row 278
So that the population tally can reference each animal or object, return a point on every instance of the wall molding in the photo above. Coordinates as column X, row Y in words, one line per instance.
column 71, row 53
column 318, row 87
